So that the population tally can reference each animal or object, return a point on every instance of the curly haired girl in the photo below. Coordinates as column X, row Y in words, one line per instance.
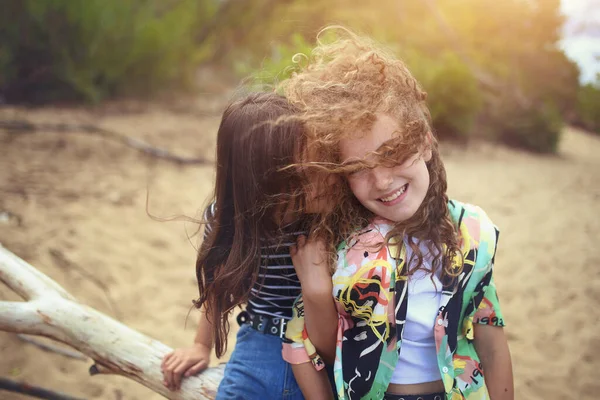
column 419, row 316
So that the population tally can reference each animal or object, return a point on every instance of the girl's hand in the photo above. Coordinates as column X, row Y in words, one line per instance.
column 311, row 262
column 184, row 362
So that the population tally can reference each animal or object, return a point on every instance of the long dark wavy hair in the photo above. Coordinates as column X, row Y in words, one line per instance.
column 253, row 194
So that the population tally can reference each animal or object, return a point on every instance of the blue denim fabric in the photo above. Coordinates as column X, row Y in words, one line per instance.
column 256, row 370
column 432, row 396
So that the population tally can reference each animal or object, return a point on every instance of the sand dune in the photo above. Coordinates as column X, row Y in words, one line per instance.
column 74, row 205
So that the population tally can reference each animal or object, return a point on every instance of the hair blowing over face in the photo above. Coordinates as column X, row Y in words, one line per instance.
column 255, row 141
column 339, row 91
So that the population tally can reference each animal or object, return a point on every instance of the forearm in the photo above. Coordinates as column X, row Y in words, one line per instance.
column 494, row 354
column 204, row 332
column 313, row 384
column 311, row 262
column 320, row 316
column 187, row 361
column 498, row 375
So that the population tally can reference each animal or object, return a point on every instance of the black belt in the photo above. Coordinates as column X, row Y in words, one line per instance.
column 264, row 324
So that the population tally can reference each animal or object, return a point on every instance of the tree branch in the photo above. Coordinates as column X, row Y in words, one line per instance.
column 20, row 317
column 114, row 347
column 33, row 391
column 51, row 348
column 16, row 316
column 26, row 281
column 21, row 126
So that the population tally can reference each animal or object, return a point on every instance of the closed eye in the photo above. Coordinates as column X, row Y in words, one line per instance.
column 358, row 172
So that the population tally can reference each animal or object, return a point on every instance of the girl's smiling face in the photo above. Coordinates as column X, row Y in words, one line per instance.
column 392, row 192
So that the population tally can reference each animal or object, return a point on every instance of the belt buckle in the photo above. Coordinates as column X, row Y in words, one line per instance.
column 282, row 324
column 243, row 318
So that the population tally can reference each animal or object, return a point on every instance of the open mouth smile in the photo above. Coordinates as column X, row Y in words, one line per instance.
column 394, row 197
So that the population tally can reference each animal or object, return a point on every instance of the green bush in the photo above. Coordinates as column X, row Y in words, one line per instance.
column 453, row 96
column 536, row 128
column 588, row 106
column 73, row 50
column 278, row 66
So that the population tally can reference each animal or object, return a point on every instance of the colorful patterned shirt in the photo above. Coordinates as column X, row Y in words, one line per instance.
column 370, row 290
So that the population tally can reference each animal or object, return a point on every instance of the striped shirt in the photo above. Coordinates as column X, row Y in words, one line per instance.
column 277, row 286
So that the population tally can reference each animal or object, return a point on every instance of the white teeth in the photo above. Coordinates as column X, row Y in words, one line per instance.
column 395, row 195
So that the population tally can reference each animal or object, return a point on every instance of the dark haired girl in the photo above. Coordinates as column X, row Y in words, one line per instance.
column 258, row 209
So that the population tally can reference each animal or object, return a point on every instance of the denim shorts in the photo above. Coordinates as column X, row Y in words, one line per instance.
column 256, row 370
column 432, row 396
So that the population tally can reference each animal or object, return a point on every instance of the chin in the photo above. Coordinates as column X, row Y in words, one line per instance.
column 398, row 216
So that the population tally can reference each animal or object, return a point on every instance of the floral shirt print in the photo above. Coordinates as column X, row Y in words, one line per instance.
column 370, row 290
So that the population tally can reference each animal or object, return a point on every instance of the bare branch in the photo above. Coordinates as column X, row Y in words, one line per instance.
column 34, row 391
column 19, row 317
column 51, row 348
column 114, row 347
column 21, row 126
column 26, row 281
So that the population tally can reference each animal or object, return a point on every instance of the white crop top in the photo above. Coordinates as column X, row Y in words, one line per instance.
column 418, row 358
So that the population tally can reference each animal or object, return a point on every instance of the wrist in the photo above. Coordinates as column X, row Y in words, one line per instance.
column 317, row 289
column 201, row 345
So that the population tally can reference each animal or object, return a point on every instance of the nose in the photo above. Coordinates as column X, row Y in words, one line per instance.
column 382, row 178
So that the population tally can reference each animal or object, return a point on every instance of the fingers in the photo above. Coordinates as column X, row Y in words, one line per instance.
column 168, row 381
column 168, row 373
column 194, row 369
column 177, row 374
column 320, row 244
column 176, row 370
column 165, row 360
column 185, row 370
column 301, row 241
column 313, row 241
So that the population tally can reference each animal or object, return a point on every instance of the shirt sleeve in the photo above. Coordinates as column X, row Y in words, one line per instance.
column 486, row 307
column 297, row 348
column 489, row 311
column 208, row 216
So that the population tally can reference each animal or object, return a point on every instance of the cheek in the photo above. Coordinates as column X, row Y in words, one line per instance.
column 425, row 174
column 359, row 188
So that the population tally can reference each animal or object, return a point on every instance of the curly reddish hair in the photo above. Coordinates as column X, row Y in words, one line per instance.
column 339, row 89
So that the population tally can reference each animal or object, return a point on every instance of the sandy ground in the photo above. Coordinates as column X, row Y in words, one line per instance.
column 74, row 205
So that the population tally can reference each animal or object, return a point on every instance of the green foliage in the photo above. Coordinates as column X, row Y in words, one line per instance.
column 279, row 65
column 451, row 46
column 588, row 106
column 453, row 96
column 537, row 128
column 467, row 54
column 63, row 49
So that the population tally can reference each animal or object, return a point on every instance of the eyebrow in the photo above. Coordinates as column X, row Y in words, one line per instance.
column 387, row 143
column 352, row 162
column 357, row 161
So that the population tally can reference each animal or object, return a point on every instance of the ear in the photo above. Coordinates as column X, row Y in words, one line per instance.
column 427, row 154
column 427, row 151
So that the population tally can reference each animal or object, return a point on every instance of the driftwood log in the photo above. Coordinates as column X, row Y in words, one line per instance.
column 48, row 310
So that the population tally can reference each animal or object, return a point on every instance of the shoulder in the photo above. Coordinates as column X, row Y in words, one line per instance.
column 367, row 237
column 364, row 259
column 209, row 211
column 365, row 245
column 475, row 227
column 208, row 216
